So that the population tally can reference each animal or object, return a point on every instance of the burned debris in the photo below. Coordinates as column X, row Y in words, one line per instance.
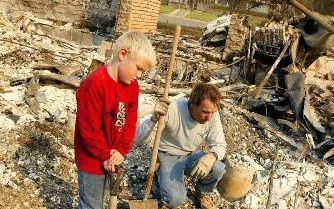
column 277, row 109
column 289, row 63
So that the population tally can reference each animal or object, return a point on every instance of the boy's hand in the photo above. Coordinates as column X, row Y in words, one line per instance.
column 160, row 109
column 116, row 158
column 106, row 165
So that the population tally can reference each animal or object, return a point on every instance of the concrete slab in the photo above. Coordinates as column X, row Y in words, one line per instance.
column 63, row 34
column 87, row 39
column 76, row 36
column 97, row 40
column 72, row 35
column 105, row 49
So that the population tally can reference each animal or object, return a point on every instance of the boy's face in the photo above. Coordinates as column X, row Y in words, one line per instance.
column 131, row 69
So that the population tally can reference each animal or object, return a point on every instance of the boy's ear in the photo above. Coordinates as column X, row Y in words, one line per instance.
column 123, row 53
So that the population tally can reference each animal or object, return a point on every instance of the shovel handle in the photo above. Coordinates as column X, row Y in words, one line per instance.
column 161, row 120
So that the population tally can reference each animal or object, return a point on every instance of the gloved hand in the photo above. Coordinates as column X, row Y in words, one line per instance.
column 204, row 166
column 160, row 109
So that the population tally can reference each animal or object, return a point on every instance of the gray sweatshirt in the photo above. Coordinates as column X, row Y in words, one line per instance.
column 182, row 135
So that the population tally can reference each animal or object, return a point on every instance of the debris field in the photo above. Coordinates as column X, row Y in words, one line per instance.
column 277, row 110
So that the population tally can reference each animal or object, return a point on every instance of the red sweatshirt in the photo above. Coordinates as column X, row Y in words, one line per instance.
column 106, row 119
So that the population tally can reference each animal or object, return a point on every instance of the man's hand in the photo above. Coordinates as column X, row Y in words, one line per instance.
column 160, row 109
column 204, row 166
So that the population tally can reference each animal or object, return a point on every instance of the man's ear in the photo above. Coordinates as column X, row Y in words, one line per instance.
column 123, row 53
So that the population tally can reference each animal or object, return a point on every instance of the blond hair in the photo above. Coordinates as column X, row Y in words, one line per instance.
column 138, row 46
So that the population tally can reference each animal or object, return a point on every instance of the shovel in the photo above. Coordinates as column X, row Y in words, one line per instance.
column 146, row 203
column 115, row 180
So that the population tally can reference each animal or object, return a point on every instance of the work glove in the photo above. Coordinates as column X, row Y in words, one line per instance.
column 160, row 109
column 204, row 166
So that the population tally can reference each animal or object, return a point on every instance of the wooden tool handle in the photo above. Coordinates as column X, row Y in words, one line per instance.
column 113, row 202
column 161, row 120
column 115, row 180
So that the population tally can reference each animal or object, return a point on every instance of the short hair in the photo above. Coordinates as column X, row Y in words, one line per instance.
column 138, row 46
column 204, row 91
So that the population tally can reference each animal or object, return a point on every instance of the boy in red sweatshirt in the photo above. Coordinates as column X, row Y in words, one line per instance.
column 107, row 103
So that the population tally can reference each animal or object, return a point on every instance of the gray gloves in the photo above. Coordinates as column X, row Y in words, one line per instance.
column 160, row 109
column 204, row 165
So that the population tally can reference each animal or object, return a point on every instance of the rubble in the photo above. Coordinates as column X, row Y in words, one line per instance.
column 284, row 141
column 215, row 33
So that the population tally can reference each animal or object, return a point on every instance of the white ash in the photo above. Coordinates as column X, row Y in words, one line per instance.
column 239, row 159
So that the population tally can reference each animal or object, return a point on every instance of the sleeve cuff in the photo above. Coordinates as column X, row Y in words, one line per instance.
column 219, row 154
column 120, row 150
column 105, row 155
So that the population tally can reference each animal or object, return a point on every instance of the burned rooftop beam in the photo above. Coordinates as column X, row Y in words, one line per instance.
column 315, row 16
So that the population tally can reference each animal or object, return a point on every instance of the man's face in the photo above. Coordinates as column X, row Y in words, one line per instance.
column 203, row 112
column 130, row 70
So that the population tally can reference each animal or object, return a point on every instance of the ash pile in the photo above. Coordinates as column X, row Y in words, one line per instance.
column 277, row 109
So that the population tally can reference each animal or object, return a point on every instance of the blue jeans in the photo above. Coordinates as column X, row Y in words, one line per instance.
column 92, row 190
column 171, row 173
